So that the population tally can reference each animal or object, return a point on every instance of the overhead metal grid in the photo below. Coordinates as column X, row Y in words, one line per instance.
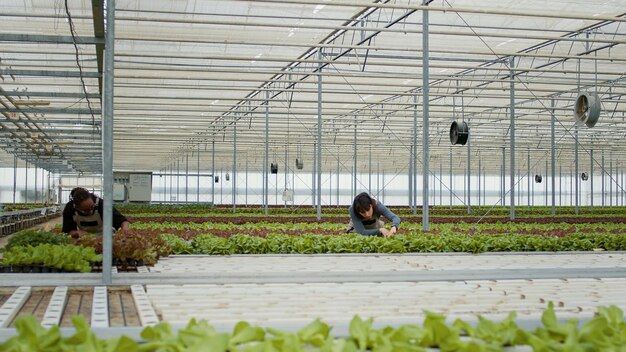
column 187, row 72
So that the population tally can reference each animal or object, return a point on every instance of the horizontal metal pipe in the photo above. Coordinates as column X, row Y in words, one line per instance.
column 51, row 110
column 46, row 73
column 57, row 39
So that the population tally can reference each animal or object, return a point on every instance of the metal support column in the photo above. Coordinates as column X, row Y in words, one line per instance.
column 622, row 188
column 171, row 181
column 469, row 174
column 479, row 188
column 529, row 176
column 553, row 155
column 186, row 177
column 14, row 177
column 319, row 136
column 426, row 116
column 25, row 200
column 212, row 173
column 313, row 173
column 616, row 184
column 441, row 184
column 611, row 181
column 338, row 170
column 504, row 176
column 571, row 188
column 591, row 174
column 47, row 198
column 198, row 176
column 43, row 193
column 286, row 173
column 234, row 175
column 546, row 183
column 519, row 188
column 575, row 180
column 560, row 184
column 415, row 179
column 35, row 186
column 267, row 151
column 451, row 182
column 512, row 141
column 412, row 168
column 603, row 172
column 107, row 144
column 355, row 168
column 369, row 172
column 533, row 193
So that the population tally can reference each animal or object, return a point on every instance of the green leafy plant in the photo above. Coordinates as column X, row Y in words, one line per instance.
column 177, row 245
column 130, row 248
column 405, row 243
column 605, row 332
column 36, row 237
column 209, row 244
column 64, row 257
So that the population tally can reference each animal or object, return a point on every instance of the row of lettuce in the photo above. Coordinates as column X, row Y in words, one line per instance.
column 36, row 251
column 461, row 228
column 446, row 211
column 41, row 251
column 606, row 331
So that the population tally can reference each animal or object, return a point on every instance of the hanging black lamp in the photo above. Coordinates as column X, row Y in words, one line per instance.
column 459, row 133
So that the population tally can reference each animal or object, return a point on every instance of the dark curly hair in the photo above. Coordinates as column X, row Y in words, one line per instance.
column 79, row 194
column 362, row 203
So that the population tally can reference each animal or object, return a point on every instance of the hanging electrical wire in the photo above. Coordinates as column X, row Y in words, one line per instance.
column 80, row 68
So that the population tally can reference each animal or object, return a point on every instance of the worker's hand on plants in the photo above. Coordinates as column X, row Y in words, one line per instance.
column 386, row 232
column 77, row 233
column 125, row 227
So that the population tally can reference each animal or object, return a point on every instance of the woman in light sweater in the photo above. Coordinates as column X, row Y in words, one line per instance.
column 365, row 215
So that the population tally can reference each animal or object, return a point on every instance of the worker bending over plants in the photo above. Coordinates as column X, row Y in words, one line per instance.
column 365, row 213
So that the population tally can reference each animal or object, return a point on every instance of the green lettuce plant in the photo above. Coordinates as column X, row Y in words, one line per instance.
column 604, row 332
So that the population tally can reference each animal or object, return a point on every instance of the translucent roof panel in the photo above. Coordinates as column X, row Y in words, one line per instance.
column 193, row 77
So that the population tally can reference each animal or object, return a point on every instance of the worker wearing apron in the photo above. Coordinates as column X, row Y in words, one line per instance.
column 83, row 214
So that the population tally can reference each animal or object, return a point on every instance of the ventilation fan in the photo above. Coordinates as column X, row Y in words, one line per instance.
column 587, row 109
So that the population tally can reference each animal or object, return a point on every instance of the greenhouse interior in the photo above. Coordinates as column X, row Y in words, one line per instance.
column 332, row 175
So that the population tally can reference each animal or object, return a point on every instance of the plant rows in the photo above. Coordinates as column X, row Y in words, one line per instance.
column 352, row 243
column 406, row 227
column 443, row 211
column 46, row 257
column 155, row 236
column 239, row 219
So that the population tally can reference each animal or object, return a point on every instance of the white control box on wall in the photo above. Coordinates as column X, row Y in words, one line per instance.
column 140, row 187
column 119, row 192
